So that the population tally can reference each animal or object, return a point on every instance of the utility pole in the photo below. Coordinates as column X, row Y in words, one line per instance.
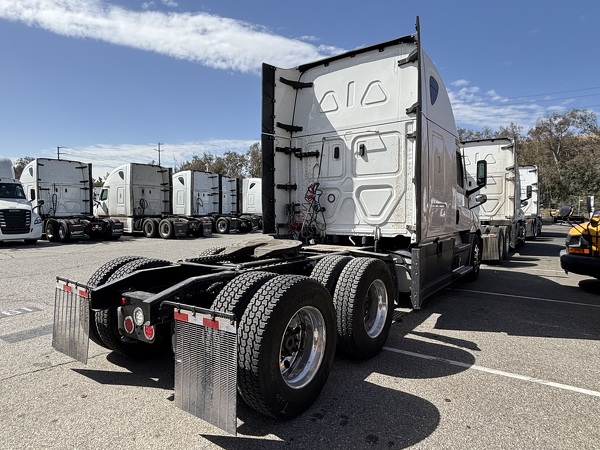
column 158, row 150
column 58, row 151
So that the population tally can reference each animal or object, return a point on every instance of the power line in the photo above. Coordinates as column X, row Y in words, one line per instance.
column 557, row 92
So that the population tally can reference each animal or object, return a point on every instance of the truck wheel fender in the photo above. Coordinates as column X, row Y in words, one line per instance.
column 236, row 294
column 287, row 344
column 166, row 229
column 108, row 234
column 327, row 270
column 149, row 227
column 107, row 321
column 51, row 230
column 100, row 277
column 364, row 303
column 63, row 231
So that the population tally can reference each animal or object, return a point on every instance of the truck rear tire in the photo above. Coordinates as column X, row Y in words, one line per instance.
column 327, row 271
column 364, row 303
column 236, row 294
column 63, row 231
column 51, row 230
column 166, row 229
column 507, row 244
column 108, row 326
column 150, row 228
column 501, row 246
column 475, row 262
column 100, row 277
column 287, row 345
column 222, row 225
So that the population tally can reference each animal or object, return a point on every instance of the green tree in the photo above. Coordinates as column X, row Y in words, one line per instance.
column 20, row 165
column 254, row 161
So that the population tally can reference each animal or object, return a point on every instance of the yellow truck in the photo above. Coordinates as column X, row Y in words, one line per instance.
column 582, row 252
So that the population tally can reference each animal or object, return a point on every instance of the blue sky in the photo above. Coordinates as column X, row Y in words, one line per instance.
column 108, row 80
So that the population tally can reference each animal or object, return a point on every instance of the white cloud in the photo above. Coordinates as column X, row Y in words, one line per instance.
column 106, row 157
column 475, row 110
column 213, row 41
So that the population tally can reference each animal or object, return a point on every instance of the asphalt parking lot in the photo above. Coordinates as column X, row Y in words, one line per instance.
column 509, row 361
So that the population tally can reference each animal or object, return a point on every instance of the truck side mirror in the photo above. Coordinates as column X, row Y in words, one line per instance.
column 481, row 178
column 589, row 203
column 480, row 199
column 481, row 173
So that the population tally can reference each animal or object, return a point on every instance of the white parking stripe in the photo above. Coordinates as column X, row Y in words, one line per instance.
column 497, row 372
column 529, row 298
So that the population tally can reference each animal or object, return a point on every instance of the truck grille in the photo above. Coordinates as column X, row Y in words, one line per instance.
column 15, row 221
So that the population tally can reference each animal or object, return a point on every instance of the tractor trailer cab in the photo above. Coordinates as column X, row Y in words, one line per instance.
column 365, row 192
column 501, row 217
column 18, row 219
column 62, row 191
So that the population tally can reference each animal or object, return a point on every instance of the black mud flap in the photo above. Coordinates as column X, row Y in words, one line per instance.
column 206, row 366
column 70, row 333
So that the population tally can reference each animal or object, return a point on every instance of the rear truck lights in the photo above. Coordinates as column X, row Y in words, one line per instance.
column 128, row 324
column 149, row 332
column 123, row 301
column 577, row 245
column 138, row 316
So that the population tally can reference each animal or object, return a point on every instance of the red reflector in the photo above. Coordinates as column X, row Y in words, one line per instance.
column 209, row 323
column 123, row 301
column 181, row 317
column 149, row 332
column 128, row 324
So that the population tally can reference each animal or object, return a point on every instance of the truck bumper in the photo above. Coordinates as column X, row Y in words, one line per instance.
column 582, row 265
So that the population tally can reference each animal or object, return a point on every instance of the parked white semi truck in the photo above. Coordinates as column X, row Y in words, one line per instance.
column 501, row 216
column 140, row 196
column 360, row 154
column 18, row 219
column 252, row 197
column 62, row 191
column 210, row 197
column 530, row 200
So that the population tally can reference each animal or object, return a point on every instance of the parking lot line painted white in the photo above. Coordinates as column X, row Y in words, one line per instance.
column 497, row 372
column 524, row 296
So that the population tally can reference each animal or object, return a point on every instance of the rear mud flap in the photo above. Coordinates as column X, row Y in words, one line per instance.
column 206, row 367
column 70, row 333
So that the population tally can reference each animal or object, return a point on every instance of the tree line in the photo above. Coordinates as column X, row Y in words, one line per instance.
column 564, row 146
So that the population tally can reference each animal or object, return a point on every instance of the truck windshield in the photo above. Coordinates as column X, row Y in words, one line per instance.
column 11, row 190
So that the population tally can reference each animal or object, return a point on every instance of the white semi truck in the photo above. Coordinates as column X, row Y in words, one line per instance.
column 62, row 191
column 211, row 197
column 360, row 156
column 140, row 196
column 18, row 219
column 530, row 200
column 501, row 216
column 252, row 197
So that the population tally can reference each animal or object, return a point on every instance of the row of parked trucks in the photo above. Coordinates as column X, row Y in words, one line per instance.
column 371, row 200
column 56, row 198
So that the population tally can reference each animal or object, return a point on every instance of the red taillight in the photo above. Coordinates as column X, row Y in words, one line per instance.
column 128, row 324
column 149, row 332
column 123, row 301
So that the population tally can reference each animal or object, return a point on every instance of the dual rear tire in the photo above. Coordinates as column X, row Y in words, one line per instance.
column 289, row 327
